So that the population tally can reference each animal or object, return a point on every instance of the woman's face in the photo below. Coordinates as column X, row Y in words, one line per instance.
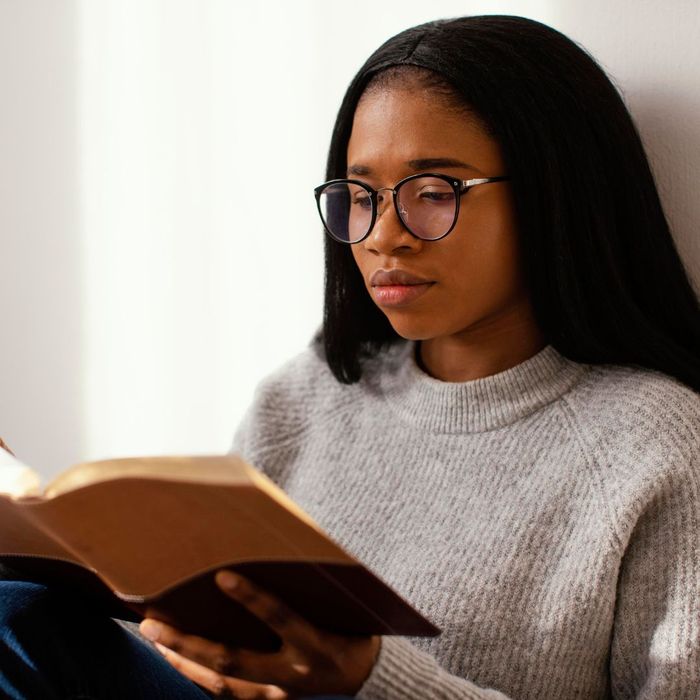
column 476, row 288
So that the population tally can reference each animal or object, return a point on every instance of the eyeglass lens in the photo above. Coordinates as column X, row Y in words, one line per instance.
column 426, row 206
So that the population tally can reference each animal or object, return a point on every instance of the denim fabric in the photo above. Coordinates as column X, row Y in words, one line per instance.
column 50, row 651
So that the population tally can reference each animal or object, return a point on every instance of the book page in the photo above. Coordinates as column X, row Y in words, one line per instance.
column 218, row 469
column 201, row 469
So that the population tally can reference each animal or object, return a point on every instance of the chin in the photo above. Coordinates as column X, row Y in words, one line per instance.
column 414, row 331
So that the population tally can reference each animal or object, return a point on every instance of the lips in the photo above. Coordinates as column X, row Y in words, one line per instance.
column 384, row 278
column 398, row 288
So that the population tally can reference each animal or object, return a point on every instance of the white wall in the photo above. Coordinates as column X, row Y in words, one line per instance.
column 41, row 352
column 160, row 249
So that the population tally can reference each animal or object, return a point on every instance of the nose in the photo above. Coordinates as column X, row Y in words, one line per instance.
column 384, row 200
column 389, row 231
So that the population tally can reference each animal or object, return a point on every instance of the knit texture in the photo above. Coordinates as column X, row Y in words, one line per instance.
column 546, row 518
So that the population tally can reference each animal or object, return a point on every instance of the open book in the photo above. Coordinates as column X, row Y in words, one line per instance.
column 145, row 536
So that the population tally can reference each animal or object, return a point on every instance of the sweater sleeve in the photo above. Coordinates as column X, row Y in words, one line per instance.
column 656, row 637
column 655, row 641
column 403, row 672
column 272, row 428
column 655, row 650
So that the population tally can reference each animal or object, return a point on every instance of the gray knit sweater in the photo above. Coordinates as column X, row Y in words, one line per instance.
column 547, row 518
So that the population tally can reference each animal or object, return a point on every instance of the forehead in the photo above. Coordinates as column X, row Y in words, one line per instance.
column 392, row 127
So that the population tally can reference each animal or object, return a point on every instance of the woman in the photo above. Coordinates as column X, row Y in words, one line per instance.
column 500, row 413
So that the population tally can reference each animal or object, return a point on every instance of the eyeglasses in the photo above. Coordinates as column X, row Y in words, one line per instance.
column 427, row 205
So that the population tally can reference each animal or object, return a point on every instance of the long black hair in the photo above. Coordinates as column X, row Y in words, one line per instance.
column 605, row 279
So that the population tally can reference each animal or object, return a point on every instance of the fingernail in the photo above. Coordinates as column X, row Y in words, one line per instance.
column 228, row 580
column 150, row 630
column 163, row 650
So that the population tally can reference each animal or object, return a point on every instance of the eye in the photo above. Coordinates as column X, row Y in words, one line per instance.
column 362, row 200
column 359, row 197
column 436, row 194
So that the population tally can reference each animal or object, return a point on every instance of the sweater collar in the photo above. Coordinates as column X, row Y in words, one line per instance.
column 476, row 405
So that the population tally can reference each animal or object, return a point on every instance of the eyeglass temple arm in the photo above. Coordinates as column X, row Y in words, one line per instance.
column 483, row 180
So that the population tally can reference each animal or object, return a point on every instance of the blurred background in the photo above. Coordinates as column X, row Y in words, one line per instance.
column 160, row 249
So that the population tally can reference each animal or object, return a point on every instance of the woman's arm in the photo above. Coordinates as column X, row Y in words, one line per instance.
column 403, row 672
column 310, row 661
column 656, row 636
column 655, row 645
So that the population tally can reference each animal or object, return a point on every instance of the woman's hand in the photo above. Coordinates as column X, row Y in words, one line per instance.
column 310, row 661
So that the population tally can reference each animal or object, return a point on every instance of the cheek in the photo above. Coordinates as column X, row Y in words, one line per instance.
column 484, row 261
column 360, row 260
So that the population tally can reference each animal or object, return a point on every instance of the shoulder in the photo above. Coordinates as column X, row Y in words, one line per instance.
column 300, row 391
column 306, row 378
column 641, row 426
column 286, row 398
column 622, row 400
column 300, row 375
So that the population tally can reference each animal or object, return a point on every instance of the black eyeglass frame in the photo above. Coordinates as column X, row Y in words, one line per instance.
column 460, row 187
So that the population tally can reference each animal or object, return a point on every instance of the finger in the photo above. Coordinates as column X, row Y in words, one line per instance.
column 214, row 655
column 227, row 661
column 270, row 609
column 218, row 684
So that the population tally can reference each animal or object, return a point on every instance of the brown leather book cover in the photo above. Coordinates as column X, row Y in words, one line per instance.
column 146, row 536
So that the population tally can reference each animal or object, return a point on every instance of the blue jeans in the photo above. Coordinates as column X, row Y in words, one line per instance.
column 48, row 650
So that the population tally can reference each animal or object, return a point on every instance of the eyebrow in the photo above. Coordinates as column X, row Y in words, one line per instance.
column 416, row 165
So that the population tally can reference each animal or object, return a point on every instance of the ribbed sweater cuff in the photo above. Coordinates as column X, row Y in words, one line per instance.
column 403, row 672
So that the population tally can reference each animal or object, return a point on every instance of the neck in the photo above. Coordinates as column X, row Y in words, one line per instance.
column 481, row 352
